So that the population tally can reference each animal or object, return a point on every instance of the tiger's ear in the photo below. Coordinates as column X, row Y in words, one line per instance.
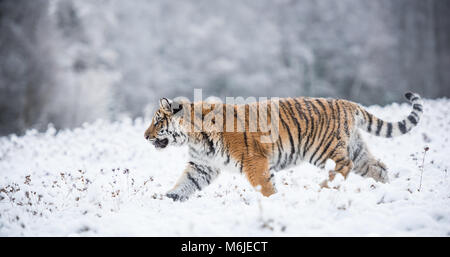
column 178, row 103
column 165, row 104
column 170, row 106
column 176, row 106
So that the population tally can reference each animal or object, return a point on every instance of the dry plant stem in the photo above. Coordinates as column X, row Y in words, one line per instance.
column 422, row 168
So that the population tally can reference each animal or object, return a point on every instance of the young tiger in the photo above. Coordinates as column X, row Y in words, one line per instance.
column 310, row 129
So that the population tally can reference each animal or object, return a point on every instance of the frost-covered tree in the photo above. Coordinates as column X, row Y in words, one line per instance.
column 72, row 61
column 26, row 63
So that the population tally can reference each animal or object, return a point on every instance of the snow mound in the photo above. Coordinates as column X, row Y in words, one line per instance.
column 105, row 179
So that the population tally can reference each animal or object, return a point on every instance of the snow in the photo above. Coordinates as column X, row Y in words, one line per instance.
column 104, row 179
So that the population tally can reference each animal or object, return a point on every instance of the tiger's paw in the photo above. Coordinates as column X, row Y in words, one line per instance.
column 378, row 171
column 176, row 196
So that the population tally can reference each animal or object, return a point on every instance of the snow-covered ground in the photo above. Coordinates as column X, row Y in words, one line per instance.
column 105, row 179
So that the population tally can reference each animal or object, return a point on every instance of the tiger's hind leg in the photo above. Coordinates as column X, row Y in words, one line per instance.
column 364, row 163
column 343, row 165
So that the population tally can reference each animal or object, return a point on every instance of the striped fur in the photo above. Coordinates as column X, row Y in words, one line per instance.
column 310, row 129
column 378, row 127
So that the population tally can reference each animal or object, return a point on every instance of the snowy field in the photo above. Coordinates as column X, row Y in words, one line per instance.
column 104, row 179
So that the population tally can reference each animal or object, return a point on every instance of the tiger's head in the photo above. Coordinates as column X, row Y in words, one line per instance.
column 166, row 123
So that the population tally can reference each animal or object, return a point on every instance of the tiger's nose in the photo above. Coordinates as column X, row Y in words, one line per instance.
column 148, row 137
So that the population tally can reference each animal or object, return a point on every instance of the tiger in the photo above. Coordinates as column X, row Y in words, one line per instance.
column 311, row 130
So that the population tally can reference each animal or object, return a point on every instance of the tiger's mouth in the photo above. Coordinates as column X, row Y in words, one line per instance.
column 161, row 143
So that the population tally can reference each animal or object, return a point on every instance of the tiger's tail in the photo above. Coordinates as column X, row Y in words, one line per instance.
column 379, row 127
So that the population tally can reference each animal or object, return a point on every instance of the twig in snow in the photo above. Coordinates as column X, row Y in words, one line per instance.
column 422, row 167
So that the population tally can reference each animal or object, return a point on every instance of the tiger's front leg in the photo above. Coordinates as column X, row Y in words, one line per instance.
column 257, row 171
column 195, row 177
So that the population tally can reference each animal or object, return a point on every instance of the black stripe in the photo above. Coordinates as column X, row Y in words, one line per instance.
column 366, row 171
column 193, row 150
column 341, row 166
column 339, row 160
column 408, row 95
column 325, row 132
column 389, row 130
column 347, row 131
column 208, row 175
column 311, row 130
column 357, row 152
column 222, row 148
column 279, row 153
column 338, row 134
column 291, row 141
column 193, row 181
column 284, row 164
column 294, row 118
column 369, row 126
column 273, row 148
column 302, row 116
column 414, row 99
column 412, row 119
column 415, row 114
column 417, row 107
column 402, row 126
column 323, row 152
column 320, row 117
column 379, row 126
column 245, row 141
column 200, row 169
column 228, row 160
column 210, row 143
column 333, row 152
column 314, row 131
column 280, row 143
column 205, row 175
column 238, row 118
